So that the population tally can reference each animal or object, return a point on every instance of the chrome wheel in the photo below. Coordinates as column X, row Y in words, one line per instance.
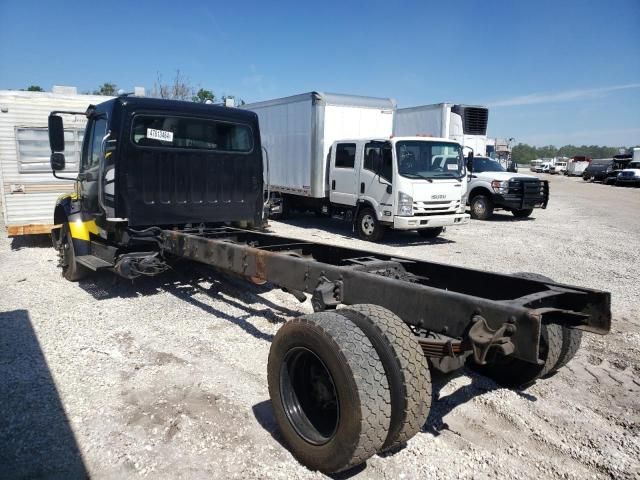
column 479, row 207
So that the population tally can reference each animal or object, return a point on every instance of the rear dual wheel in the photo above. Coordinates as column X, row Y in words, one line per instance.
column 558, row 345
column 347, row 384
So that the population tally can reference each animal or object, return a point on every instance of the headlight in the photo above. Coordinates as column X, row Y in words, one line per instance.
column 405, row 204
column 500, row 187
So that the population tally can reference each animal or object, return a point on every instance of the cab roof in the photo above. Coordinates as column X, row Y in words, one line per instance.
column 131, row 102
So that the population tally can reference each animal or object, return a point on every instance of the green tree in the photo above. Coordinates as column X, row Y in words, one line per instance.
column 203, row 95
column 35, row 88
column 108, row 89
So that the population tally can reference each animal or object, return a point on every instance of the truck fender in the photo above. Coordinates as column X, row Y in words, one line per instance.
column 68, row 210
column 480, row 189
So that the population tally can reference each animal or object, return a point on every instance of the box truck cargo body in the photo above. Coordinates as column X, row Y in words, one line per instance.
column 465, row 124
column 298, row 131
column 27, row 185
column 335, row 154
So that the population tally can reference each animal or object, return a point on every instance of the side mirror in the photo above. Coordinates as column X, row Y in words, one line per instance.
column 56, row 134
column 470, row 162
column 389, row 189
column 57, row 161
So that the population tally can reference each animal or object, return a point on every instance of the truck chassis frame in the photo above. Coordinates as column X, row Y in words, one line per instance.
column 452, row 309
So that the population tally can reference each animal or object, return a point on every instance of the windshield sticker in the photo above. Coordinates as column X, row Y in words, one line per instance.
column 452, row 166
column 163, row 135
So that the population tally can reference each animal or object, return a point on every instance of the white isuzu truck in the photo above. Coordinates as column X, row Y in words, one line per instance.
column 335, row 154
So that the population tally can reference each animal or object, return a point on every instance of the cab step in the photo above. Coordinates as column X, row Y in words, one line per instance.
column 93, row 263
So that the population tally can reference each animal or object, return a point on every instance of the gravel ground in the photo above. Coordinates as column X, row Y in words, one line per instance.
column 166, row 377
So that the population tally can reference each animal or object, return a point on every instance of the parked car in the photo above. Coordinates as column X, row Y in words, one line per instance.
column 559, row 167
column 619, row 164
column 492, row 187
column 630, row 175
column 598, row 169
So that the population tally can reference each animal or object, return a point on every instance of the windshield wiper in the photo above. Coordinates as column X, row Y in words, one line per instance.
column 417, row 175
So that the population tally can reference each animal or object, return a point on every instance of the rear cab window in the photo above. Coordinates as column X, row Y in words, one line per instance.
column 190, row 133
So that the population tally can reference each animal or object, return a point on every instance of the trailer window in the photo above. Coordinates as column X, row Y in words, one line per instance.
column 345, row 155
column 33, row 151
column 191, row 133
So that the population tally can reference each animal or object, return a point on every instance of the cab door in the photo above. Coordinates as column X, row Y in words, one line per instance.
column 376, row 178
column 90, row 163
column 343, row 175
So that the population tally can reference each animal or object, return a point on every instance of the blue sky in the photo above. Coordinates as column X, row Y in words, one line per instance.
column 552, row 72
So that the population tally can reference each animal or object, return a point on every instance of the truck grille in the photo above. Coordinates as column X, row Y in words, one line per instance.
column 421, row 209
column 530, row 192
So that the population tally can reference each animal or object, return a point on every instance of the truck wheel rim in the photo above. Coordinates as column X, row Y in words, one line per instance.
column 309, row 397
column 367, row 224
column 479, row 207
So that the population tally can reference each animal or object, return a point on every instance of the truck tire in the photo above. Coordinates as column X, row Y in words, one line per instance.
column 71, row 270
column 515, row 373
column 368, row 226
column 571, row 341
column 329, row 392
column 405, row 366
column 430, row 232
column 522, row 213
column 571, row 337
column 481, row 207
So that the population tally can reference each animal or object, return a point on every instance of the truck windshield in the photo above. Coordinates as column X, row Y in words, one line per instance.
column 425, row 159
column 484, row 164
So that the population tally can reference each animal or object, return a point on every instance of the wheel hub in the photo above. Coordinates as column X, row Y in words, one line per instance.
column 309, row 396
column 368, row 224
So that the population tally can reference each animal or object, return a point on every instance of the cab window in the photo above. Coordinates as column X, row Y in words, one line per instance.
column 190, row 133
column 98, row 129
column 378, row 159
column 345, row 155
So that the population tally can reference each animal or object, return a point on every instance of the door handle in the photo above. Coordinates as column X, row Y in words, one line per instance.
column 88, row 177
column 361, row 187
column 333, row 184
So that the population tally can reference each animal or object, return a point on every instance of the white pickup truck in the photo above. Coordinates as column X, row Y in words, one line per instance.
column 630, row 175
column 492, row 187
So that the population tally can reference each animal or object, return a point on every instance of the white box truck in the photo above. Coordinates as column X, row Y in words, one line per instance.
column 335, row 154
column 27, row 186
column 465, row 124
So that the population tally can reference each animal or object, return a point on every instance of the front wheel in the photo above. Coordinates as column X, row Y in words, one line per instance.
column 522, row 213
column 430, row 232
column 481, row 207
column 368, row 226
column 71, row 269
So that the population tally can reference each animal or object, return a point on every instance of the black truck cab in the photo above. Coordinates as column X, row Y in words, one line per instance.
column 157, row 163
column 163, row 162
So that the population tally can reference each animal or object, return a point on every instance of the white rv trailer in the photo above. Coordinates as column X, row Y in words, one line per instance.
column 27, row 187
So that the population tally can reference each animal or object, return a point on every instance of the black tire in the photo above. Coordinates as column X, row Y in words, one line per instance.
column 430, row 232
column 571, row 341
column 368, row 226
column 71, row 270
column 405, row 366
column 481, row 207
column 522, row 213
column 571, row 338
column 515, row 373
column 347, row 421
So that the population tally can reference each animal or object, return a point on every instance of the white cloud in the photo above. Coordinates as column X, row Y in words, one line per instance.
column 566, row 96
